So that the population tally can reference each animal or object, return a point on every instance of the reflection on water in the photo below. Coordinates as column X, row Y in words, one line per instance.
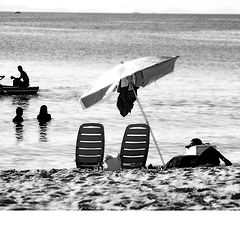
column 21, row 100
column 19, row 131
column 43, row 132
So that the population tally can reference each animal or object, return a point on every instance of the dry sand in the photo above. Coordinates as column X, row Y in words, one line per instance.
column 202, row 188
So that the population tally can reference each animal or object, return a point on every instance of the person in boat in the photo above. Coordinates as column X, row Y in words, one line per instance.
column 18, row 118
column 43, row 116
column 22, row 81
column 209, row 158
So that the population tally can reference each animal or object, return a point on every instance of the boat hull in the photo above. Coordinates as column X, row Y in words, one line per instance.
column 10, row 90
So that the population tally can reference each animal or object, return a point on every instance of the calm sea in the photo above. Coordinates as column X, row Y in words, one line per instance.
column 63, row 53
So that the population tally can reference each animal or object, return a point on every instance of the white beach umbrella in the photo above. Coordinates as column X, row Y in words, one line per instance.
column 144, row 71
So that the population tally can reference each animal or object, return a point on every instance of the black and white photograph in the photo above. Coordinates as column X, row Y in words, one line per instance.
column 120, row 106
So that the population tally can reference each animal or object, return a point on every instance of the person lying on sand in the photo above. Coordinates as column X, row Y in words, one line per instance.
column 209, row 157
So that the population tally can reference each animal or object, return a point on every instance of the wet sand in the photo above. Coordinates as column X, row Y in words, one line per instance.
column 201, row 188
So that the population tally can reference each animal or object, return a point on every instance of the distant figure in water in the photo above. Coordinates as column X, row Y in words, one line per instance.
column 18, row 118
column 43, row 116
column 209, row 158
column 22, row 81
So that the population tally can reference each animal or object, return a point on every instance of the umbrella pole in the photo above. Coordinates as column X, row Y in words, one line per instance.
column 154, row 139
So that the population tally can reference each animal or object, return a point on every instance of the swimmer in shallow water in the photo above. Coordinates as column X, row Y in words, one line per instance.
column 43, row 116
column 18, row 118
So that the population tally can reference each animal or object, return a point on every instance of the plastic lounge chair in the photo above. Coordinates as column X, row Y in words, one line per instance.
column 135, row 145
column 90, row 146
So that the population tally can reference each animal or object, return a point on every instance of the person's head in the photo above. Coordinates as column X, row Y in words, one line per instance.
column 194, row 142
column 20, row 68
column 19, row 111
column 43, row 109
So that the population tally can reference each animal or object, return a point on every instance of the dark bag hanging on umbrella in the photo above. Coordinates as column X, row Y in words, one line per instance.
column 126, row 99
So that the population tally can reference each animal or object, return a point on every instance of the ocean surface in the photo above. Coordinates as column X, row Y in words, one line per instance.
column 63, row 53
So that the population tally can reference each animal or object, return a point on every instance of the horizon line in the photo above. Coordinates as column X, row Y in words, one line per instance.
column 135, row 12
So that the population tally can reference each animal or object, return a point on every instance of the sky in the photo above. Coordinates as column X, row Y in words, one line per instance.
column 128, row 6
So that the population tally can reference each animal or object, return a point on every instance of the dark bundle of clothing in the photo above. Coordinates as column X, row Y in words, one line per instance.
column 126, row 99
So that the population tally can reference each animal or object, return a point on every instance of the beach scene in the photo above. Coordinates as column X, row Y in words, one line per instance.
column 64, row 53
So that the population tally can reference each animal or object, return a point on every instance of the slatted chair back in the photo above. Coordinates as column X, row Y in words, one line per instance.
column 90, row 145
column 135, row 145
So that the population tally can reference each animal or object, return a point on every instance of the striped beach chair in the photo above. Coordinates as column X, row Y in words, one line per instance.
column 135, row 145
column 90, row 146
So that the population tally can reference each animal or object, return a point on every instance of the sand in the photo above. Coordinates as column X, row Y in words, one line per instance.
column 200, row 188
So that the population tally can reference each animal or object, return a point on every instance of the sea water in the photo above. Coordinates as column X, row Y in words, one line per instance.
column 63, row 53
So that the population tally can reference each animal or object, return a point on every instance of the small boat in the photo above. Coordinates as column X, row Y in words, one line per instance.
column 10, row 90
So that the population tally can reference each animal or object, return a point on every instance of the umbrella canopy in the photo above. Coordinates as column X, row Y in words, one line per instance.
column 145, row 71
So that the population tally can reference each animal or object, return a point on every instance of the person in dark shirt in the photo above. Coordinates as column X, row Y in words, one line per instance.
column 18, row 118
column 22, row 81
column 43, row 116
column 209, row 157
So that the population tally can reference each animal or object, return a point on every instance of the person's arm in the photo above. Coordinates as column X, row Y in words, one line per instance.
column 14, row 78
column 20, row 77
